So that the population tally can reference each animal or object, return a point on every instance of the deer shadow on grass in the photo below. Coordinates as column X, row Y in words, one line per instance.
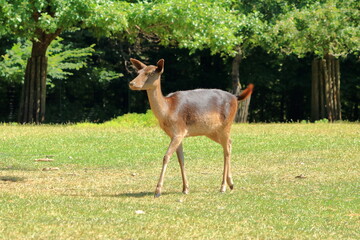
column 131, row 195
column 120, row 195
column 136, row 194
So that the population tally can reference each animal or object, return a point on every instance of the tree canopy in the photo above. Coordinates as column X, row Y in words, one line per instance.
column 194, row 25
column 321, row 28
column 26, row 18
column 214, row 32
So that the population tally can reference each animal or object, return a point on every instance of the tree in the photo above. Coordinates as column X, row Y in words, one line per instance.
column 62, row 60
column 327, row 30
column 250, row 26
column 254, row 18
column 41, row 21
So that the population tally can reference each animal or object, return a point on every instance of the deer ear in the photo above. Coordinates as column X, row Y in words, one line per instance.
column 160, row 66
column 137, row 64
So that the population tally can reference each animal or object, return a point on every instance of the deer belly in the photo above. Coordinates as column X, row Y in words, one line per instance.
column 204, row 124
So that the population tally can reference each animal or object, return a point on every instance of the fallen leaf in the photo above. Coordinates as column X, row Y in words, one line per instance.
column 44, row 160
column 354, row 215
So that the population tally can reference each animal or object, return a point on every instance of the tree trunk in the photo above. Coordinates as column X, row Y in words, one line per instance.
column 337, row 92
column 243, row 108
column 325, row 93
column 33, row 96
column 32, row 104
column 11, row 97
column 315, row 111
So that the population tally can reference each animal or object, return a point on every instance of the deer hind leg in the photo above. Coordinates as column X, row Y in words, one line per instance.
column 227, row 176
column 180, row 155
column 174, row 144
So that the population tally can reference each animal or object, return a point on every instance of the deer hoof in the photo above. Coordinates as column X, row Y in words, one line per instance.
column 223, row 188
column 185, row 191
column 157, row 191
column 230, row 183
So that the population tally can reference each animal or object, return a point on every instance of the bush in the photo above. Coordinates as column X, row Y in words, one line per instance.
column 130, row 120
column 324, row 120
column 134, row 120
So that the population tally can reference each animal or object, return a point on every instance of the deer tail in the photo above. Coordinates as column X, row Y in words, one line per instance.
column 246, row 93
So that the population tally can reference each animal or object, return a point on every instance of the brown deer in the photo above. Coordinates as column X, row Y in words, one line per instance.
column 200, row 112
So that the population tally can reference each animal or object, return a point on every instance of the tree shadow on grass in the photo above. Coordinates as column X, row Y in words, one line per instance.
column 18, row 168
column 12, row 179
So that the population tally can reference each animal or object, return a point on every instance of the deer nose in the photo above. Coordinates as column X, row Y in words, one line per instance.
column 131, row 84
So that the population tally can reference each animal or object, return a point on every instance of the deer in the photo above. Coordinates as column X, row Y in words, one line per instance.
column 199, row 112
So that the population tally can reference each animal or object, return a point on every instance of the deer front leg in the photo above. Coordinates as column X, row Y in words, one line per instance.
column 180, row 155
column 223, row 184
column 174, row 144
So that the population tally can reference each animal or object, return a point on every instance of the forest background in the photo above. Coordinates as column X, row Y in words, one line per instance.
column 302, row 56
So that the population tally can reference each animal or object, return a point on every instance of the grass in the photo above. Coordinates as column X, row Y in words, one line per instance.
column 107, row 174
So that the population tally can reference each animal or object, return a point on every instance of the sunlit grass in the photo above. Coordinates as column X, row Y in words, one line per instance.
column 292, row 181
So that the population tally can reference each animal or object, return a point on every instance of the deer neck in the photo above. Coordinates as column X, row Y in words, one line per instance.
column 158, row 102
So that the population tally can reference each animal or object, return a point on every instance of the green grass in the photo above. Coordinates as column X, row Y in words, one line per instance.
column 107, row 173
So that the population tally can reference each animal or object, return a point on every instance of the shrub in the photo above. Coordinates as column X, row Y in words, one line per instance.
column 134, row 120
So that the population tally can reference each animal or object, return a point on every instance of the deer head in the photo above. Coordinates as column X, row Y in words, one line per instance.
column 149, row 76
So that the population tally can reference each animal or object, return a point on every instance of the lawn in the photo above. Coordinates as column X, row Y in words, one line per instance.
column 292, row 181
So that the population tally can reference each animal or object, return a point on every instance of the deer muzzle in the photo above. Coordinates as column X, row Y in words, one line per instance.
column 133, row 86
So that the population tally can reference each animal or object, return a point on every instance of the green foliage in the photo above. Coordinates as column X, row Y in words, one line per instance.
column 201, row 27
column 24, row 17
column 325, row 120
column 329, row 27
column 194, row 25
column 62, row 60
column 134, row 120
column 13, row 63
column 129, row 120
column 104, row 75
